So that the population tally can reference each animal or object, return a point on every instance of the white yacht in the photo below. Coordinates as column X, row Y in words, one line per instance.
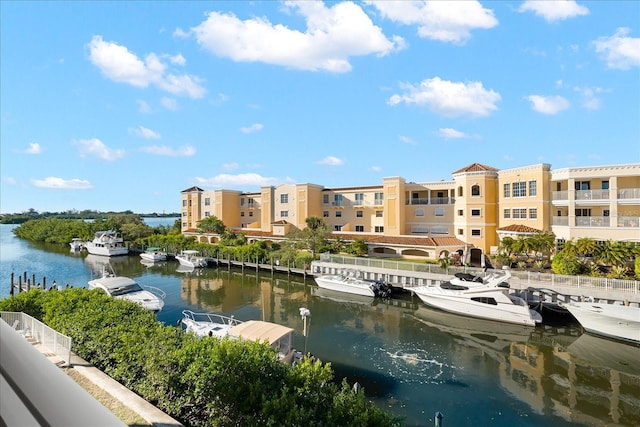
column 149, row 297
column 351, row 284
column 619, row 322
column 190, row 258
column 107, row 243
column 76, row 244
column 154, row 254
column 488, row 299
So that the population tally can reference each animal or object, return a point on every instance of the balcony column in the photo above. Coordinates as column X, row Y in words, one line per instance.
column 613, row 201
column 571, row 197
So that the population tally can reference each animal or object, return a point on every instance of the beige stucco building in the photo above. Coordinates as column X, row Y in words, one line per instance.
column 468, row 214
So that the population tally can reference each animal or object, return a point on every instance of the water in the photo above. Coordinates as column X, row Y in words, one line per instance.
column 411, row 360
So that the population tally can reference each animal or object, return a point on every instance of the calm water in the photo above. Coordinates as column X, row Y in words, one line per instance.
column 411, row 360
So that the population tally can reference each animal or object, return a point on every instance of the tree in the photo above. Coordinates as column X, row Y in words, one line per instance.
column 565, row 263
column 315, row 234
column 613, row 254
column 586, row 246
column 211, row 224
column 359, row 247
column 542, row 243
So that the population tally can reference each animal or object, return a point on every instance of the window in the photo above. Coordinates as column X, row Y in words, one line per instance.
column 558, row 186
column 241, row 213
column 436, row 229
column 379, row 229
column 485, row 300
column 460, row 191
column 519, row 213
column 337, row 200
column 583, row 185
column 379, row 198
column 420, row 229
column 606, row 212
column 475, row 232
column 475, row 212
column 533, row 188
column 533, row 213
column 359, row 214
column 284, row 198
column 206, row 214
column 460, row 212
column 338, row 214
column 325, row 199
column 604, row 185
column 337, row 228
column 359, row 198
column 507, row 214
column 207, row 201
column 184, row 203
column 475, row 190
column 250, row 201
column 519, row 189
column 583, row 212
column 242, row 201
column 359, row 228
column 460, row 231
column 419, row 212
column 325, row 214
column 438, row 212
column 506, row 190
column 250, row 213
column 378, row 214
column 284, row 214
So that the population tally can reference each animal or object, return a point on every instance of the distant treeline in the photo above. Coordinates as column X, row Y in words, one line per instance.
column 19, row 218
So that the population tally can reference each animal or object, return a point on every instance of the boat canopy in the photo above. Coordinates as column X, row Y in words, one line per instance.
column 257, row 330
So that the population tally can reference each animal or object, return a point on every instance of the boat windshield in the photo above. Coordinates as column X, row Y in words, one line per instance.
column 127, row 289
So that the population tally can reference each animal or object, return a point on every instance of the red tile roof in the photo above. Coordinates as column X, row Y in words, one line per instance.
column 519, row 228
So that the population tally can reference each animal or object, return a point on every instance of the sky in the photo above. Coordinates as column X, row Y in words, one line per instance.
column 116, row 105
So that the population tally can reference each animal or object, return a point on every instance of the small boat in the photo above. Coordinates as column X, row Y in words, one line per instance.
column 618, row 322
column 488, row 299
column 122, row 287
column 154, row 254
column 76, row 244
column 215, row 325
column 351, row 284
column 190, row 258
column 107, row 243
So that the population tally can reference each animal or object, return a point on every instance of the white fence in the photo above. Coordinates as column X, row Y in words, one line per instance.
column 50, row 339
column 530, row 278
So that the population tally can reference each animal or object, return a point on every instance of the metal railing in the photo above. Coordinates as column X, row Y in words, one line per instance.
column 50, row 339
column 530, row 278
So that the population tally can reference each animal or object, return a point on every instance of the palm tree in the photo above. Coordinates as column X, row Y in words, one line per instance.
column 542, row 244
column 586, row 246
column 613, row 253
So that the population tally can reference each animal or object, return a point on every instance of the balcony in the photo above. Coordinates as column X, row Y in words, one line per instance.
column 629, row 221
column 432, row 201
column 593, row 221
column 592, row 194
column 562, row 221
column 629, row 194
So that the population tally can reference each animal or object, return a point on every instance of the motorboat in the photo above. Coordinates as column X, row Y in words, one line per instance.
column 278, row 336
column 620, row 322
column 191, row 258
column 154, row 254
column 76, row 244
column 489, row 300
column 122, row 287
column 351, row 284
column 107, row 243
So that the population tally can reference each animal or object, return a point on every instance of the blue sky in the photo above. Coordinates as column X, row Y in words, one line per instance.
column 121, row 105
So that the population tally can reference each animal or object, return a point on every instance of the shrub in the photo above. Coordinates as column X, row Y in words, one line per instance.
column 565, row 263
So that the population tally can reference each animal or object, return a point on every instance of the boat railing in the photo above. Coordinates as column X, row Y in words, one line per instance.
column 211, row 318
column 156, row 291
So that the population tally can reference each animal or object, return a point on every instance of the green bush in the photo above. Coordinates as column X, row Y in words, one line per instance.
column 199, row 381
column 565, row 263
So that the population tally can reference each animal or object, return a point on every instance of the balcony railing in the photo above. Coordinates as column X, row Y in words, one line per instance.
column 560, row 220
column 560, row 195
column 592, row 194
column 593, row 221
column 629, row 193
column 629, row 221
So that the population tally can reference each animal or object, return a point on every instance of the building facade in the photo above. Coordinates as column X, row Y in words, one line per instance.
column 471, row 212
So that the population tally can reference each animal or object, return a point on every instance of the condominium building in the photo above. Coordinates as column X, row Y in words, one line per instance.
column 469, row 214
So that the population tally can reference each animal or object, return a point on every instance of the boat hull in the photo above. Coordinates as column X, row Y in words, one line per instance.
column 106, row 251
column 346, row 285
column 153, row 257
column 463, row 305
column 608, row 320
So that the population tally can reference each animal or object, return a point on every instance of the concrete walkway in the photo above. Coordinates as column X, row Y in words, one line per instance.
column 147, row 411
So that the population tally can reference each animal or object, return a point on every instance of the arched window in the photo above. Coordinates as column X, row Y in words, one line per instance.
column 475, row 190
column 419, row 212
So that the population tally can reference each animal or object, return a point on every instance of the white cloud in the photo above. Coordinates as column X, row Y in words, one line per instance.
column 143, row 106
column 178, row 59
column 548, row 104
column 117, row 63
column 256, row 127
column 169, row 103
column 406, row 139
column 620, row 51
column 10, row 180
column 448, row 98
column 333, row 35
column 449, row 133
column 34, row 148
column 240, row 180
column 62, row 184
column 163, row 150
column 95, row 147
column 230, row 166
column 589, row 99
column 331, row 161
column 376, row 169
column 446, row 21
column 557, row 10
column 143, row 132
